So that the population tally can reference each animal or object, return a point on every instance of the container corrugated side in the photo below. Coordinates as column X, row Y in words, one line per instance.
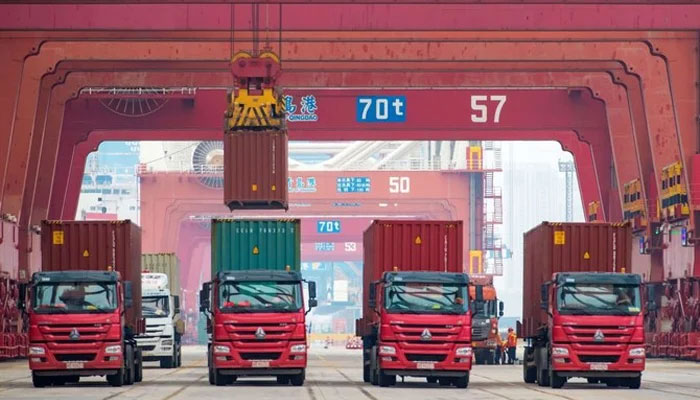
column 95, row 246
column 255, row 245
column 409, row 246
column 255, row 170
column 569, row 247
column 164, row 263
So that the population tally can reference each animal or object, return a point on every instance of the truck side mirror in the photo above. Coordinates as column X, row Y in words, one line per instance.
column 176, row 304
column 372, row 296
column 204, row 305
column 544, row 297
column 21, row 301
column 500, row 308
column 312, row 290
column 128, row 295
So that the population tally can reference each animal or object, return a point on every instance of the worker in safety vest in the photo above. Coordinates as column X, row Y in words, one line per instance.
column 500, row 350
column 511, row 342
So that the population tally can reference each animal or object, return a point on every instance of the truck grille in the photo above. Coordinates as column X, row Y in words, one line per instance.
column 426, row 357
column 260, row 356
column 411, row 337
column 147, row 348
column 75, row 357
column 613, row 336
column 154, row 329
column 245, row 332
column 598, row 359
column 480, row 332
column 62, row 332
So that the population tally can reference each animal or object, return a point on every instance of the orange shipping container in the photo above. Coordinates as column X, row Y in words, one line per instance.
column 569, row 247
column 255, row 170
column 96, row 246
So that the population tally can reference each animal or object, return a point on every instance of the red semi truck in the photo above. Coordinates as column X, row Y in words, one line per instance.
column 590, row 320
column 85, row 305
column 416, row 319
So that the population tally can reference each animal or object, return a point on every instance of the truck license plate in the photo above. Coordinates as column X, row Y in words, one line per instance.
column 261, row 364
column 74, row 365
column 425, row 365
column 599, row 366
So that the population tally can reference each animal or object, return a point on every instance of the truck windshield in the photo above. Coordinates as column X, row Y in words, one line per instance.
column 426, row 298
column 155, row 306
column 260, row 296
column 590, row 298
column 489, row 310
column 75, row 297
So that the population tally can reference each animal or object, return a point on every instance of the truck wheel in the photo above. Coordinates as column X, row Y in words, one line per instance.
column 117, row 379
column 634, row 383
column 542, row 377
column 220, row 380
column 167, row 362
column 298, row 380
column 39, row 381
column 130, row 366
column 556, row 381
column 529, row 373
column 211, row 376
column 179, row 355
column 463, row 381
column 431, row 379
column 138, row 374
column 385, row 380
column 365, row 361
column 373, row 366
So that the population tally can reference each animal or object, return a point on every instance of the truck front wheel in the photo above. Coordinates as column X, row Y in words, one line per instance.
column 556, row 381
column 39, row 381
column 130, row 366
column 634, row 383
column 298, row 380
column 117, row 379
column 542, row 376
column 463, row 381
column 385, row 380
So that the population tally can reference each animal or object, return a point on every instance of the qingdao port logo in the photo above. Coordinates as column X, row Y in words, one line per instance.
column 307, row 109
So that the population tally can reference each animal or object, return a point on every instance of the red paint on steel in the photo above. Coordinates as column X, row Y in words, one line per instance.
column 436, row 246
column 450, row 15
column 255, row 170
column 569, row 247
column 96, row 246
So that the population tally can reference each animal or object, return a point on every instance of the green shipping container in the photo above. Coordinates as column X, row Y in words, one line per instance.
column 238, row 245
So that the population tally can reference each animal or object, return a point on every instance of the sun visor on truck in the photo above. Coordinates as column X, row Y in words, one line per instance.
column 599, row 278
column 258, row 275
column 75, row 276
column 426, row 277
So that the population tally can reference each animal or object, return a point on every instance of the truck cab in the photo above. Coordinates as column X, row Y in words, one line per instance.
column 257, row 325
column 76, row 328
column 485, row 315
column 595, row 330
column 164, row 326
column 423, row 328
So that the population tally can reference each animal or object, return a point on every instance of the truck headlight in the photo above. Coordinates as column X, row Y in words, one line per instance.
column 167, row 342
column 387, row 350
column 637, row 352
column 37, row 351
column 221, row 349
column 464, row 352
column 560, row 351
column 298, row 348
column 113, row 349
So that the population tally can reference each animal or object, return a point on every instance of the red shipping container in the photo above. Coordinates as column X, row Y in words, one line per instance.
column 569, row 247
column 96, row 246
column 409, row 246
column 255, row 170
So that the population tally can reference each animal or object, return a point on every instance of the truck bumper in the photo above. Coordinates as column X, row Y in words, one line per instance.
column 444, row 363
column 80, row 360
column 594, row 363
column 264, row 361
column 155, row 348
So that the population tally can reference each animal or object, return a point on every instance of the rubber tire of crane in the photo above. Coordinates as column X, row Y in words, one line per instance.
column 130, row 366
column 116, row 380
column 298, row 379
column 463, row 381
column 39, row 381
column 634, row 383
column 556, row 381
